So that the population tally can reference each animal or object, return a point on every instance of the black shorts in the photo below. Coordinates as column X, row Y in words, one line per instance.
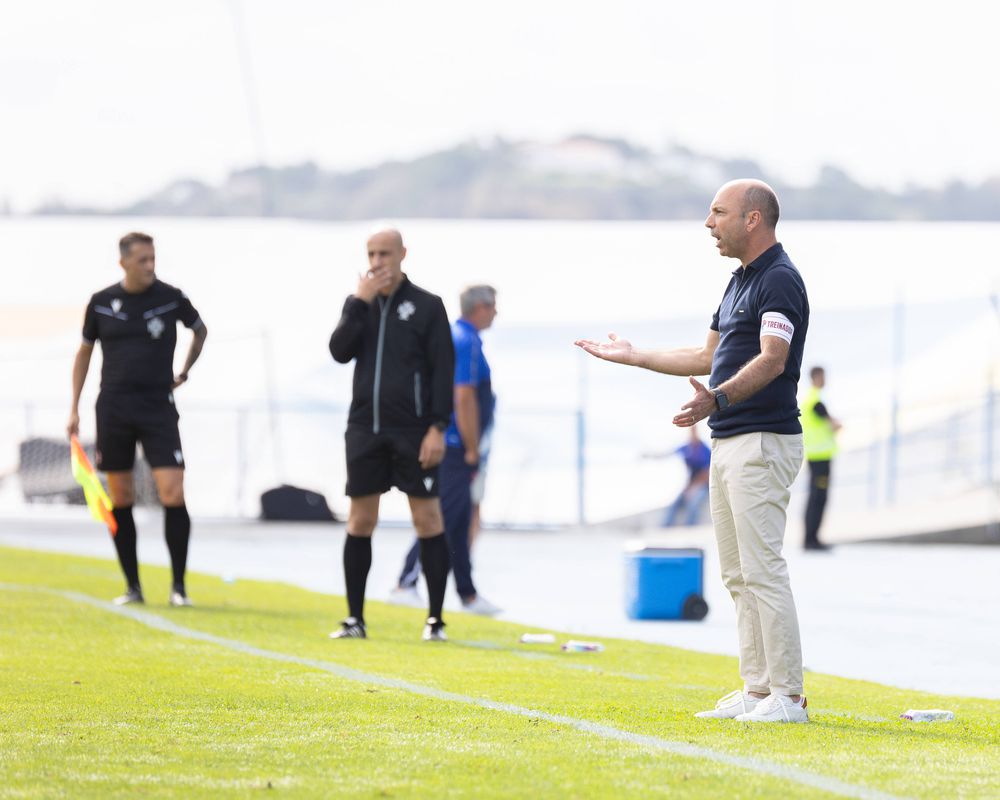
column 124, row 418
column 378, row 461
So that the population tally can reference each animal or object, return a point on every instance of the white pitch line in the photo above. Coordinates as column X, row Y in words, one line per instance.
column 557, row 660
column 550, row 657
column 761, row 766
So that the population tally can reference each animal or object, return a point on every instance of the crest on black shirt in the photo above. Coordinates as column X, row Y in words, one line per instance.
column 155, row 327
column 406, row 310
column 116, row 305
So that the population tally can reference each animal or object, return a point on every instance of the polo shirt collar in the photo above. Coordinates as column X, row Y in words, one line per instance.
column 467, row 325
column 765, row 259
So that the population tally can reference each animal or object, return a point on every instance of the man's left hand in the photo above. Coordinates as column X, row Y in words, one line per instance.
column 431, row 448
column 182, row 378
column 696, row 409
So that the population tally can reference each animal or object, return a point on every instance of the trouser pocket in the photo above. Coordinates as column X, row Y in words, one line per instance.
column 783, row 455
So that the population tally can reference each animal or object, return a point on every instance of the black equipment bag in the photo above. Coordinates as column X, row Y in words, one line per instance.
column 290, row 503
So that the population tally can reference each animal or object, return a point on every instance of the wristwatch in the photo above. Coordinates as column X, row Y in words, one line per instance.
column 721, row 401
column 441, row 426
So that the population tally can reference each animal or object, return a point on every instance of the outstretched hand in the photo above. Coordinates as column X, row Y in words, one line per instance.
column 697, row 408
column 615, row 349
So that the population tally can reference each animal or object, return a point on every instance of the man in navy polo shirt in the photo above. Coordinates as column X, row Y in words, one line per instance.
column 753, row 354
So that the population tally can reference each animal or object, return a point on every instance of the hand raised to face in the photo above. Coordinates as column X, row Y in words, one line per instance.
column 372, row 282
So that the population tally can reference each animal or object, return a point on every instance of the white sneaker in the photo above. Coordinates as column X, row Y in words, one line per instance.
column 481, row 606
column 434, row 631
column 777, row 708
column 179, row 599
column 732, row 706
column 406, row 596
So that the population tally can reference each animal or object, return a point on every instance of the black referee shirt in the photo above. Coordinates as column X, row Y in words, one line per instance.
column 138, row 334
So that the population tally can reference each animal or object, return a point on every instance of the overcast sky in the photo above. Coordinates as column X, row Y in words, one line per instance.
column 103, row 101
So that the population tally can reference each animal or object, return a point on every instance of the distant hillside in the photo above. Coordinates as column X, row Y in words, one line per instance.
column 583, row 177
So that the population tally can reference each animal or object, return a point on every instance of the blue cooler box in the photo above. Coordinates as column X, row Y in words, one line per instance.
column 665, row 583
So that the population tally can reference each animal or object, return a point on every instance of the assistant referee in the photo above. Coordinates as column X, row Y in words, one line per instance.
column 136, row 323
column 400, row 340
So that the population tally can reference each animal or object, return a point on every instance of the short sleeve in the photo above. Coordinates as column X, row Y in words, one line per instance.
column 820, row 411
column 466, row 362
column 90, row 331
column 782, row 293
column 187, row 313
column 715, row 319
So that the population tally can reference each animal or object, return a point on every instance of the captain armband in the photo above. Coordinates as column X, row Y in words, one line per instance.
column 774, row 323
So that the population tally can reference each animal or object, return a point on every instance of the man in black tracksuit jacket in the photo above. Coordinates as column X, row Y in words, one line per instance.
column 400, row 339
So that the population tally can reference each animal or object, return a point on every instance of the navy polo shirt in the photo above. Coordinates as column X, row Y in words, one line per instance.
column 769, row 285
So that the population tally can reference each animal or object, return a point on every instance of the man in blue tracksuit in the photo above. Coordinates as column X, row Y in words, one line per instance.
column 471, row 420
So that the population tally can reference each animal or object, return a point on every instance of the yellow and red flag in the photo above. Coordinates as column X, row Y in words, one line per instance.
column 97, row 499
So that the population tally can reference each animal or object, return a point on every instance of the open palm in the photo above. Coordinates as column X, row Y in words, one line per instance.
column 615, row 349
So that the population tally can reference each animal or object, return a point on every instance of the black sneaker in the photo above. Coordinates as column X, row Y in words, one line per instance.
column 350, row 628
column 434, row 631
column 132, row 595
column 819, row 547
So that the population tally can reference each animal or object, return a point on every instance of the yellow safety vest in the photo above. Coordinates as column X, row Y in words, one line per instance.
column 817, row 432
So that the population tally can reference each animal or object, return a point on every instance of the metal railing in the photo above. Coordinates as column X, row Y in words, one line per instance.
column 548, row 467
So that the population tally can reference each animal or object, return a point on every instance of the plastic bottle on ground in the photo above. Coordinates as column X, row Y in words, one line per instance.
column 573, row 646
column 928, row 715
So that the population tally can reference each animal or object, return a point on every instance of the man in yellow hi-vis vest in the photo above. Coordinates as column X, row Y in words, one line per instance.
column 819, row 435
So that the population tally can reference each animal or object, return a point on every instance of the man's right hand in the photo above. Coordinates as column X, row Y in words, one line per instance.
column 73, row 426
column 615, row 349
column 371, row 283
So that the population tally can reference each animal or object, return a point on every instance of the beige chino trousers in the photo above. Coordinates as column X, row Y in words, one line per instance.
column 749, row 483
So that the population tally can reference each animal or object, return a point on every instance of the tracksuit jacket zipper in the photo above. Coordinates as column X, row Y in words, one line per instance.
column 379, row 348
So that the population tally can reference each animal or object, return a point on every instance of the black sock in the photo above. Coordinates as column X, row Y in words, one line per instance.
column 434, row 558
column 357, row 562
column 177, row 528
column 125, row 545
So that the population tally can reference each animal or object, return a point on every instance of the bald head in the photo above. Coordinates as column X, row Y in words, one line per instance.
column 385, row 258
column 755, row 196
column 387, row 237
column 742, row 218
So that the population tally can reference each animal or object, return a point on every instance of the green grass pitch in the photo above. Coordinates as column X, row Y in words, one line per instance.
column 97, row 704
